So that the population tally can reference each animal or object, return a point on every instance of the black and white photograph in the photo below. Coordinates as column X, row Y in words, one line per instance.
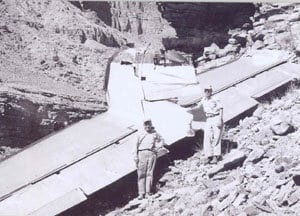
column 149, row 108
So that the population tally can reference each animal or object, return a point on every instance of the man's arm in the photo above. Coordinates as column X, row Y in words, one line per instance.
column 197, row 105
column 221, row 115
column 137, row 149
column 221, row 112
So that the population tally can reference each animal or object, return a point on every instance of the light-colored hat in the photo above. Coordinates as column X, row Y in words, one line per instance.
column 147, row 121
column 208, row 87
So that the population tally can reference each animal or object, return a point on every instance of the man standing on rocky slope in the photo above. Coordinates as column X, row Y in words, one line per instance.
column 213, row 127
column 148, row 142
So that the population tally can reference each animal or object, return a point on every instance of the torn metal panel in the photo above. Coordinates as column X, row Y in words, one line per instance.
column 161, row 82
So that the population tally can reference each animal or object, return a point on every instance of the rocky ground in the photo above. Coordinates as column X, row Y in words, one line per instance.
column 260, row 177
column 53, row 56
column 273, row 26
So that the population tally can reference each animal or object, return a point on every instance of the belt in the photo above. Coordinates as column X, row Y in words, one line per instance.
column 145, row 150
column 209, row 115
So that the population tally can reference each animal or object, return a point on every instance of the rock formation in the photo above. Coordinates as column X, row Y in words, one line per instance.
column 200, row 24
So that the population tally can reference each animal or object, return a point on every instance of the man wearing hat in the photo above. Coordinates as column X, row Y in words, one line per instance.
column 147, row 145
column 213, row 127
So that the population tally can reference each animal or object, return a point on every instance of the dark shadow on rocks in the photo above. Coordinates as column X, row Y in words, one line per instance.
column 198, row 25
column 186, row 147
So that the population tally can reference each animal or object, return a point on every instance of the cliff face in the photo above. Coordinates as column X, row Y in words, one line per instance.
column 194, row 15
column 142, row 19
column 200, row 24
column 142, row 22
column 184, row 26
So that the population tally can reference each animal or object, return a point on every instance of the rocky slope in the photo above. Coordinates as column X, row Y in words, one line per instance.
column 260, row 177
column 273, row 26
column 52, row 60
column 53, row 57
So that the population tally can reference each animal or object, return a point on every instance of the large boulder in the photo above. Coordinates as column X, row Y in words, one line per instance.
column 278, row 17
column 294, row 17
column 211, row 52
column 280, row 126
column 258, row 44
column 232, row 49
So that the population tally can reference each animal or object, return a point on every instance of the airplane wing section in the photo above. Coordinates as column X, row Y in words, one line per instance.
column 59, row 151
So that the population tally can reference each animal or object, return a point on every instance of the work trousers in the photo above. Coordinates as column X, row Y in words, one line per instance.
column 212, row 136
column 145, row 169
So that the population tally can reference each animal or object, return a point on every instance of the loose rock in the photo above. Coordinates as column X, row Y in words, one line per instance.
column 233, row 160
column 256, row 155
column 280, row 127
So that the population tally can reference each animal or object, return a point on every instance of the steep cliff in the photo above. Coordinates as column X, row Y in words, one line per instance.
column 142, row 22
column 185, row 26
